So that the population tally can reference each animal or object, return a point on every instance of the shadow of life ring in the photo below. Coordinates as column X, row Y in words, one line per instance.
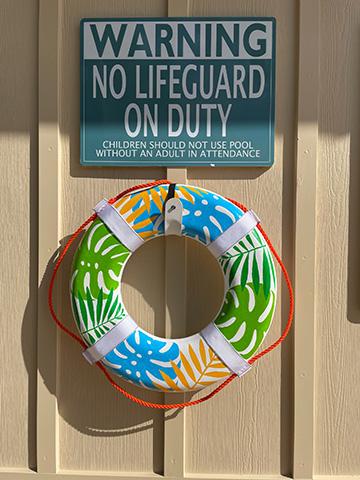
column 224, row 347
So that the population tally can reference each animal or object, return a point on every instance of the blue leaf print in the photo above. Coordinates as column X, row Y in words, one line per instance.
column 205, row 214
column 141, row 357
column 208, row 217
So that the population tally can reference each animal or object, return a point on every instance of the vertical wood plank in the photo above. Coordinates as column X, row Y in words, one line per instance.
column 18, row 235
column 337, row 360
column 47, row 428
column 175, row 327
column 178, row 8
column 254, row 443
column 175, row 317
column 305, row 239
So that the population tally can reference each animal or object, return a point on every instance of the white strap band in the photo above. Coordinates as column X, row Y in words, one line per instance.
column 227, row 354
column 233, row 234
column 118, row 225
column 110, row 340
column 173, row 216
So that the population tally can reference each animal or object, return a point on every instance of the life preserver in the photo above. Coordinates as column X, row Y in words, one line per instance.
column 220, row 349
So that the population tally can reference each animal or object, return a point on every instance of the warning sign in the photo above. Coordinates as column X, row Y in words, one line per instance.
column 177, row 92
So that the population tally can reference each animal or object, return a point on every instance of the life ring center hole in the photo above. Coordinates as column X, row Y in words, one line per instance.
column 173, row 281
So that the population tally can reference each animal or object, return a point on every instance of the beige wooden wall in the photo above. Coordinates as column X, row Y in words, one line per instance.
column 297, row 413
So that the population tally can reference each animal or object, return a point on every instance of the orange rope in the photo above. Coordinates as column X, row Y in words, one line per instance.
column 128, row 395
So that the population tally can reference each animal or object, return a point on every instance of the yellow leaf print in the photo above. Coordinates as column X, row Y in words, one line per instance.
column 195, row 190
column 186, row 194
column 180, row 375
column 217, row 374
column 196, row 369
column 202, row 351
column 194, row 359
column 187, row 367
column 135, row 214
column 156, row 198
column 170, row 382
column 127, row 203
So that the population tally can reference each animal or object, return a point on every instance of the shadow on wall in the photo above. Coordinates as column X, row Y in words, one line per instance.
column 86, row 399
column 353, row 120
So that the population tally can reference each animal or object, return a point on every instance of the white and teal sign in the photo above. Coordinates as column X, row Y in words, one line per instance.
column 177, row 91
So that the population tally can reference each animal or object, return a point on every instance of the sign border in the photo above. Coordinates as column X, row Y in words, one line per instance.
column 179, row 163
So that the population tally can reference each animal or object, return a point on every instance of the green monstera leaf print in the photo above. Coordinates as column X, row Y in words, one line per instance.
column 246, row 317
column 98, row 263
column 96, row 316
column 249, row 261
column 95, row 293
